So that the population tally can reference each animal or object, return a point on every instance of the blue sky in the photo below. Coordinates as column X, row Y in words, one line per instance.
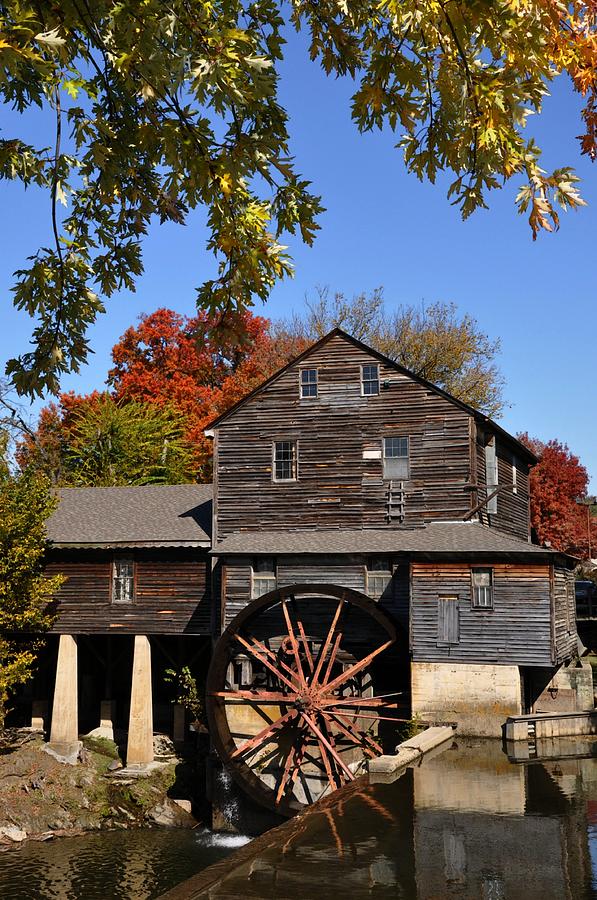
column 384, row 227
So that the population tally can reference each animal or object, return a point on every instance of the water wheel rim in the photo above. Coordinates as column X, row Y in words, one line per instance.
column 222, row 737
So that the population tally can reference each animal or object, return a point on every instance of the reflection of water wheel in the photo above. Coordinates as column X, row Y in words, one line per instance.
column 290, row 693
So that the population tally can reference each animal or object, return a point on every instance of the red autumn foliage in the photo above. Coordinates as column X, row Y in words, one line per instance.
column 196, row 366
column 558, row 482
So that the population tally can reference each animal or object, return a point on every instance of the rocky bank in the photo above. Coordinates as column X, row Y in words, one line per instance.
column 41, row 798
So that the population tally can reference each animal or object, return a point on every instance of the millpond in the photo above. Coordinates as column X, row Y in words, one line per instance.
column 469, row 822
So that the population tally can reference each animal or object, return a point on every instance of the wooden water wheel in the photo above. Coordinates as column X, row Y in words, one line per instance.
column 291, row 697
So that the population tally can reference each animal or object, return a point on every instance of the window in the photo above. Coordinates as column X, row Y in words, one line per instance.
column 264, row 576
column 123, row 581
column 379, row 576
column 395, row 458
column 514, row 475
column 370, row 380
column 482, row 595
column 308, row 383
column 447, row 619
column 491, row 475
column 285, row 456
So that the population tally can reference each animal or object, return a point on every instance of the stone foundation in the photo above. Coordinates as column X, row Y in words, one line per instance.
column 567, row 689
column 479, row 698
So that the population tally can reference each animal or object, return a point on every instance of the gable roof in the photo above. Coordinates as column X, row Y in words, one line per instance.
column 480, row 417
column 157, row 515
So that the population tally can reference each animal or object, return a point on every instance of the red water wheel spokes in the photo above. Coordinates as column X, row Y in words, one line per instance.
column 290, row 697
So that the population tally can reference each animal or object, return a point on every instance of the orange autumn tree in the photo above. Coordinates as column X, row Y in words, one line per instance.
column 197, row 366
column 190, row 368
column 558, row 488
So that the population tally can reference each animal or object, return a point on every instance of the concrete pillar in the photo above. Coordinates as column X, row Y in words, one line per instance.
column 139, row 749
column 178, row 732
column 64, row 735
column 39, row 711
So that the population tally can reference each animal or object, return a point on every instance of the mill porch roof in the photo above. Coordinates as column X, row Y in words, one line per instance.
column 157, row 515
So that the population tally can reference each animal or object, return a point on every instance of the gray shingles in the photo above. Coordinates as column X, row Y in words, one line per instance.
column 444, row 538
column 135, row 516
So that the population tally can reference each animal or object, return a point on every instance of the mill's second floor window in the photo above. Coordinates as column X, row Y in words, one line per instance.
column 285, row 461
column 123, row 581
column 308, row 383
column 370, row 380
column 396, row 458
column 379, row 576
column 482, row 588
column 264, row 576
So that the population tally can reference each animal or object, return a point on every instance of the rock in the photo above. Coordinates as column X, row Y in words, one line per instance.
column 169, row 814
column 13, row 833
column 184, row 804
column 114, row 765
column 163, row 747
column 65, row 753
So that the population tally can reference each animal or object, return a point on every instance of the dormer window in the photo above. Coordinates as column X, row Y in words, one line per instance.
column 285, row 461
column 308, row 383
column 370, row 380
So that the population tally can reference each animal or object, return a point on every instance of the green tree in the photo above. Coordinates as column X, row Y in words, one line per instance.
column 25, row 592
column 110, row 443
column 162, row 108
column 433, row 341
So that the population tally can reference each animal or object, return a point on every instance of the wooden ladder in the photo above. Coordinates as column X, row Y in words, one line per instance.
column 395, row 501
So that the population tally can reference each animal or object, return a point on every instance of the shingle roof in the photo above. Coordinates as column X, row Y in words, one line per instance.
column 442, row 538
column 148, row 515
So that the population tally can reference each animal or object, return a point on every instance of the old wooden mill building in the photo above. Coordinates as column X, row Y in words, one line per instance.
column 363, row 555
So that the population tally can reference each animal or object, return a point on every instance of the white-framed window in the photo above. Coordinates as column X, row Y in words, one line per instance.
column 123, row 581
column 370, row 379
column 396, row 458
column 482, row 588
column 285, row 460
column 491, row 475
column 379, row 576
column 309, row 383
column 448, row 625
column 263, row 576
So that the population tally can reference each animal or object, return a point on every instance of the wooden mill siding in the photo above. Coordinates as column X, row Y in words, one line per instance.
column 564, row 604
column 517, row 631
column 346, row 571
column 336, row 486
column 512, row 507
column 171, row 592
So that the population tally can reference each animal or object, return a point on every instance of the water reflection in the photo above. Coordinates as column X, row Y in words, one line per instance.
column 129, row 865
column 469, row 823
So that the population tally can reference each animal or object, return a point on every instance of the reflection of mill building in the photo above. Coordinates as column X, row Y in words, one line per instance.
column 342, row 469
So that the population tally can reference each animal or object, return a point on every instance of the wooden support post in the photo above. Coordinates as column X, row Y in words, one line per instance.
column 64, row 735
column 139, row 750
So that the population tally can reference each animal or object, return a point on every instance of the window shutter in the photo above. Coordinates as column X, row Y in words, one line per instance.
column 447, row 620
